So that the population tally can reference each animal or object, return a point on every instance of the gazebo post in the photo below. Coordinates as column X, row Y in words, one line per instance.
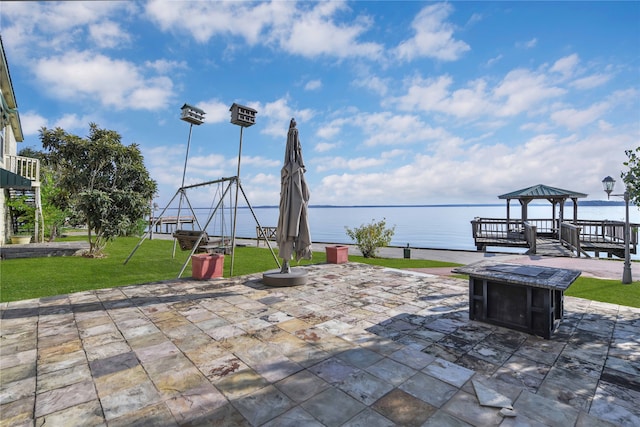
column 553, row 214
column 524, row 203
column 561, row 219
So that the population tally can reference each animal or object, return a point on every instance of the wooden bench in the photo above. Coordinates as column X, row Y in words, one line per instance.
column 188, row 238
column 269, row 232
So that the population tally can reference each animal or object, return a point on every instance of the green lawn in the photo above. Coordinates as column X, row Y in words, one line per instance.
column 611, row 291
column 38, row 277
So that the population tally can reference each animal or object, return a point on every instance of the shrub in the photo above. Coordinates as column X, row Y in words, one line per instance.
column 370, row 237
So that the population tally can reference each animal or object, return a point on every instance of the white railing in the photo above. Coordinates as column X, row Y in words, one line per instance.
column 27, row 167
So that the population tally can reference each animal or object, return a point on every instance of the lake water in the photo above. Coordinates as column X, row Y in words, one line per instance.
column 435, row 227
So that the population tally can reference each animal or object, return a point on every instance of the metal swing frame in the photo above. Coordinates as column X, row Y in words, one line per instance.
column 183, row 195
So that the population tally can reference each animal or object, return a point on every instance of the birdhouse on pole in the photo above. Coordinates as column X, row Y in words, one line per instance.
column 192, row 114
column 243, row 116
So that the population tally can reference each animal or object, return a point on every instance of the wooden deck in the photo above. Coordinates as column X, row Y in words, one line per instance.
column 541, row 236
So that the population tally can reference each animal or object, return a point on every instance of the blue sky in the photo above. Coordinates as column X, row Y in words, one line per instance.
column 396, row 102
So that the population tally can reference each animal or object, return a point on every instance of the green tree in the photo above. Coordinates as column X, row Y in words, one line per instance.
column 103, row 182
column 370, row 237
column 631, row 178
column 53, row 216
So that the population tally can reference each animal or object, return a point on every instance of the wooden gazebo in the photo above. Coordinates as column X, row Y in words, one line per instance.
column 554, row 237
column 552, row 194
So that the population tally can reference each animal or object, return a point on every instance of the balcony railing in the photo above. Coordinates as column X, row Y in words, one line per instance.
column 27, row 167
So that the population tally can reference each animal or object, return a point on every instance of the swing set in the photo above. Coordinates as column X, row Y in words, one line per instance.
column 198, row 240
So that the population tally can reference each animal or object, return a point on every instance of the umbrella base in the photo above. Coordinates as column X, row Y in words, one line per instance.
column 297, row 277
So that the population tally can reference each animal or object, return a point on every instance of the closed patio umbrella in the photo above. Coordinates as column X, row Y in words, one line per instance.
column 293, row 235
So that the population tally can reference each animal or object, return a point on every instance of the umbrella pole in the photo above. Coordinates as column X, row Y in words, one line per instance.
column 235, row 210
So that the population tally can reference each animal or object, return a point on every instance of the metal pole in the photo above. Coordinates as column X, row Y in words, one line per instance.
column 184, row 172
column 235, row 210
column 626, row 273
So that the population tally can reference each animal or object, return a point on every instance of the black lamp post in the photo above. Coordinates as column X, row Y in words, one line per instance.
column 608, row 184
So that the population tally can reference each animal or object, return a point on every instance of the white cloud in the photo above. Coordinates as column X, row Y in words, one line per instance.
column 60, row 26
column 108, row 34
column 297, row 28
column 327, row 163
column 204, row 20
column 388, row 129
column 482, row 171
column 216, row 111
column 592, row 81
column 114, row 83
column 32, row 122
column 434, row 94
column 165, row 66
column 71, row 122
column 312, row 33
column 573, row 119
column 529, row 44
column 375, row 84
column 277, row 115
column 313, row 85
column 324, row 147
column 393, row 153
column 521, row 90
column 259, row 161
column 494, row 60
column 433, row 36
column 331, row 129
column 566, row 66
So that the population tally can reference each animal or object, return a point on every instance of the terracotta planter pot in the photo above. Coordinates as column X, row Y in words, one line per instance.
column 337, row 254
column 207, row 266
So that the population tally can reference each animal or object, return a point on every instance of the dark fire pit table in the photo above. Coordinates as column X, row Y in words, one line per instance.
column 522, row 297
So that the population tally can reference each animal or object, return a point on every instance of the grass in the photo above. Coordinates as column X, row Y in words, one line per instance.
column 611, row 291
column 28, row 278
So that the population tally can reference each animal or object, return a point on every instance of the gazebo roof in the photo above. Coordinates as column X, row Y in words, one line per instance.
column 541, row 191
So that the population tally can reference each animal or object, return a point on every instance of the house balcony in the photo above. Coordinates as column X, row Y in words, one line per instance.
column 26, row 167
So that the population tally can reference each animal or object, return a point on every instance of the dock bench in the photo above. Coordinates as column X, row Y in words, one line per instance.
column 521, row 297
column 269, row 232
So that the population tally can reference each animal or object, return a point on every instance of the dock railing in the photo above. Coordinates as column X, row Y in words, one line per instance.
column 607, row 232
column 570, row 236
column 531, row 236
column 495, row 228
column 581, row 236
column 497, row 232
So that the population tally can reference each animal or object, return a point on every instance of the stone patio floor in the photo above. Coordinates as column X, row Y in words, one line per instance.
column 358, row 345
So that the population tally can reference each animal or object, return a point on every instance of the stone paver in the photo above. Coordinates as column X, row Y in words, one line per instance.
column 357, row 345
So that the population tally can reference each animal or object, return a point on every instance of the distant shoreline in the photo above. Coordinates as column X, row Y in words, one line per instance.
column 449, row 205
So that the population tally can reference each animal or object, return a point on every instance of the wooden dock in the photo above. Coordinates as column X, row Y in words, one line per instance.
column 555, row 238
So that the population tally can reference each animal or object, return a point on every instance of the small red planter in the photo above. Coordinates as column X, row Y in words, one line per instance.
column 337, row 254
column 207, row 266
